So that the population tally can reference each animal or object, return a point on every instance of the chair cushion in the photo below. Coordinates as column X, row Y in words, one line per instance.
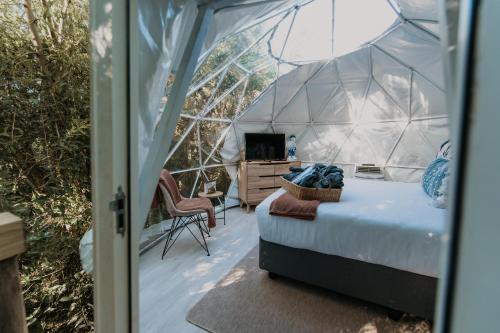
column 199, row 204
column 195, row 204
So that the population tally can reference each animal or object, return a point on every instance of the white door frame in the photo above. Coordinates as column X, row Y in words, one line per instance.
column 470, row 292
column 109, row 149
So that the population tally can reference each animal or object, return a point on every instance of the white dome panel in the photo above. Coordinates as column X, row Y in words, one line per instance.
column 406, row 174
column 320, row 95
column 357, row 149
column 370, row 143
column 427, row 100
column 296, row 110
column 419, row 9
column 419, row 144
column 416, row 49
column 327, row 75
column 231, row 150
column 261, row 109
column 356, row 95
column 312, row 149
column 288, row 85
column 379, row 106
column 336, row 110
column 392, row 76
column 432, row 27
column 332, row 137
column 354, row 66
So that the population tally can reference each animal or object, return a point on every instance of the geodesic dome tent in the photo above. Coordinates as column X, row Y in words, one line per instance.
column 379, row 102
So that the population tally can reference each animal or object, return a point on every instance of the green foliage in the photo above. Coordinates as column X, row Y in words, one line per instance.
column 45, row 154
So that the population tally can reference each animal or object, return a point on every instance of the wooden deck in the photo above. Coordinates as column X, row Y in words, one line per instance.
column 170, row 287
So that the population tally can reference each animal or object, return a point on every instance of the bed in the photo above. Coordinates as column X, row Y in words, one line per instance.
column 380, row 243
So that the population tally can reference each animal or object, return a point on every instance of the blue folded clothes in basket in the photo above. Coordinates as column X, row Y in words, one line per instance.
column 317, row 176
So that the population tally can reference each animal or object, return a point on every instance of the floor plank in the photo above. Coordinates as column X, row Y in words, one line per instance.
column 169, row 288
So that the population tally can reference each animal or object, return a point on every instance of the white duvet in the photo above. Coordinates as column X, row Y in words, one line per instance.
column 387, row 223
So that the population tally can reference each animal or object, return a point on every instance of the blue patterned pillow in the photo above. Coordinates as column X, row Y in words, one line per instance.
column 445, row 150
column 433, row 176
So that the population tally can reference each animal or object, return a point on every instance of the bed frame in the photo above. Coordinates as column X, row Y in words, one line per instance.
column 393, row 288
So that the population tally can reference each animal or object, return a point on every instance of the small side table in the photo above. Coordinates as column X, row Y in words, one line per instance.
column 217, row 195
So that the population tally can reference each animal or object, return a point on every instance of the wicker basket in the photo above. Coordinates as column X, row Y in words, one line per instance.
column 306, row 193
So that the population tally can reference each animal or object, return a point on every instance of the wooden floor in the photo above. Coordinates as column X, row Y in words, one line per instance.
column 170, row 287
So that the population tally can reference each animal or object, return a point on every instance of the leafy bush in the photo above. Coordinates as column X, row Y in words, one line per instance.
column 45, row 154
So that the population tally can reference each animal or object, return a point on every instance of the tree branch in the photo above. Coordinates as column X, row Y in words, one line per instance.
column 50, row 22
column 32, row 22
column 63, row 17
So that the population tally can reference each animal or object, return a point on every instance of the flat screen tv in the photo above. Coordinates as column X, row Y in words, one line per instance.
column 264, row 146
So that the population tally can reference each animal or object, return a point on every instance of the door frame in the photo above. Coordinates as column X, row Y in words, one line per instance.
column 469, row 290
column 110, row 164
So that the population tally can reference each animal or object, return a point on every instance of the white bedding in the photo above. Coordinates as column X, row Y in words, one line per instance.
column 387, row 223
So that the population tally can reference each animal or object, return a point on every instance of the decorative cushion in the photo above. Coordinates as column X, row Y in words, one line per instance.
column 441, row 200
column 445, row 150
column 433, row 177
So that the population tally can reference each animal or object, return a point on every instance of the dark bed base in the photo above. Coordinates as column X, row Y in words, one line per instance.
column 389, row 287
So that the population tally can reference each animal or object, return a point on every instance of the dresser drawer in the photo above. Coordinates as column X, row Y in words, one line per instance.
column 283, row 169
column 257, row 195
column 260, row 170
column 260, row 181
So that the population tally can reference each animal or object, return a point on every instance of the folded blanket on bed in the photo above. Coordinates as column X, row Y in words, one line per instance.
column 287, row 205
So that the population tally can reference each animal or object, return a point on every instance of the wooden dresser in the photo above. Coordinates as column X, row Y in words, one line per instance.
column 258, row 179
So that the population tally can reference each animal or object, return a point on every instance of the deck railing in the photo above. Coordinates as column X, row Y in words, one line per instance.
column 12, row 311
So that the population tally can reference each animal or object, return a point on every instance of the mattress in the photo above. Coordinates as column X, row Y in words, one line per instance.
column 387, row 223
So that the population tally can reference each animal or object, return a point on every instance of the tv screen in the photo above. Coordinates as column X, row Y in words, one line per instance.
column 264, row 146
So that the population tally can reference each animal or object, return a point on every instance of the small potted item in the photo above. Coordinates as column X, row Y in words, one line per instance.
column 209, row 187
column 291, row 146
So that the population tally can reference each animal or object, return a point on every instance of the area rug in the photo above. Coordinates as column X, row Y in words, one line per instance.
column 247, row 300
